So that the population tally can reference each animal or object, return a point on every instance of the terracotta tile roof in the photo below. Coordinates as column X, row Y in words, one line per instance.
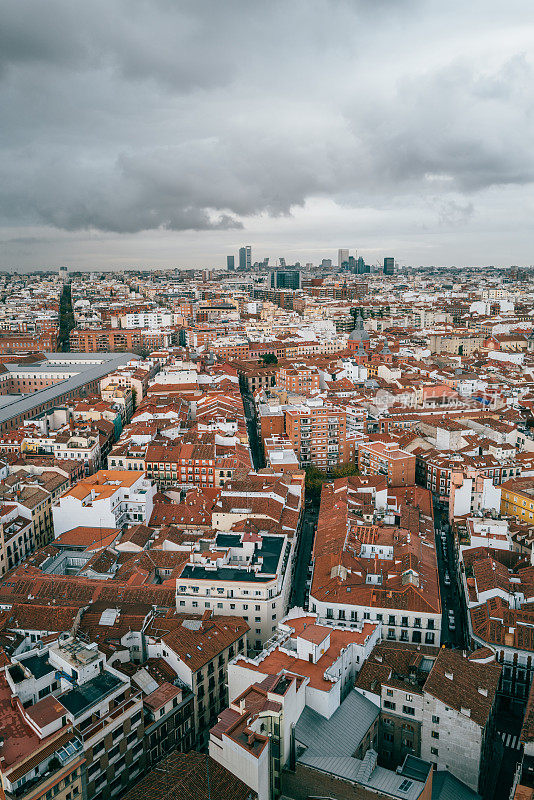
column 464, row 684
column 186, row 775
column 409, row 579
column 36, row 616
column 162, row 695
column 396, row 664
column 277, row 660
column 82, row 536
column 197, row 647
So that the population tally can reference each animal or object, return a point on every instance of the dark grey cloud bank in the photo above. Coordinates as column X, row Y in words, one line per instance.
column 127, row 116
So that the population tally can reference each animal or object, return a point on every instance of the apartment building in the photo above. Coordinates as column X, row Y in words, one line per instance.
column 45, row 341
column 298, row 379
column 35, row 503
column 326, row 655
column 40, row 761
column 435, row 469
column 318, row 434
column 458, row 722
column 393, row 678
column 65, row 444
column 119, row 339
column 68, row 688
column 119, row 396
column 426, row 696
column 517, row 499
column 385, row 457
column 198, row 647
column 379, row 566
column 109, row 499
column 169, row 721
column 279, row 454
column 16, row 537
column 255, row 376
column 154, row 318
column 131, row 377
column 190, row 465
column 245, row 574
column 296, row 727
column 499, row 591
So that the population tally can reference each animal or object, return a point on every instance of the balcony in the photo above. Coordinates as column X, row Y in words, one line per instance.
column 113, row 716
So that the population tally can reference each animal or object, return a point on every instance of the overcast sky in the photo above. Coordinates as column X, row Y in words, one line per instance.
column 169, row 133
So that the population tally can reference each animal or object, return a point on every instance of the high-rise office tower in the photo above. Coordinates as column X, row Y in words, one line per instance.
column 285, row 279
column 230, row 263
column 245, row 257
column 389, row 266
column 342, row 257
column 326, row 263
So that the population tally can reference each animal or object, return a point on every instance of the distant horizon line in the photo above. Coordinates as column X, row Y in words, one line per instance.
column 53, row 270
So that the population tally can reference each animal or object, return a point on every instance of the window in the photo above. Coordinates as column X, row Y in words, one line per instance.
column 434, row 751
column 408, row 710
column 389, row 692
column 389, row 704
column 406, row 785
column 435, row 735
column 435, row 720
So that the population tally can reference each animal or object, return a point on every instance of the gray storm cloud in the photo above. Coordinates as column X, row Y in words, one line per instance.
column 126, row 116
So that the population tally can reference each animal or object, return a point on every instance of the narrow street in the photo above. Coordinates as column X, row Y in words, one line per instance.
column 256, row 450
column 454, row 631
column 301, row 574
column 506, row 745
column 66, row 318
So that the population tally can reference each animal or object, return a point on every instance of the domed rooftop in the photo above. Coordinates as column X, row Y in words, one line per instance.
column 359, row 334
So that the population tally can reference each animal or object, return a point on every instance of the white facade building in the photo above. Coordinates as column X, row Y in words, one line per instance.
column 107, row 499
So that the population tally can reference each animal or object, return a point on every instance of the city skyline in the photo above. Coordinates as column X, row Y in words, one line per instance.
column 147, row 138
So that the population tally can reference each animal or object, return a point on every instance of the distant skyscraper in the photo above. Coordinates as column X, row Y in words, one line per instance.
column 389, row 266
column 230, row 263
column 285, row 279
column 342, row 257
column 326, row 263
column 282, row 262
column 245, row 257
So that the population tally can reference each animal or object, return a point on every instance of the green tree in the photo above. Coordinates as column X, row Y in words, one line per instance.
column 345, row 470
column 269, row 358
column 315, row 478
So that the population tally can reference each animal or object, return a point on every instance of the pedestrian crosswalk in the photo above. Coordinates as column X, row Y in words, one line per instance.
column 511, row 741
